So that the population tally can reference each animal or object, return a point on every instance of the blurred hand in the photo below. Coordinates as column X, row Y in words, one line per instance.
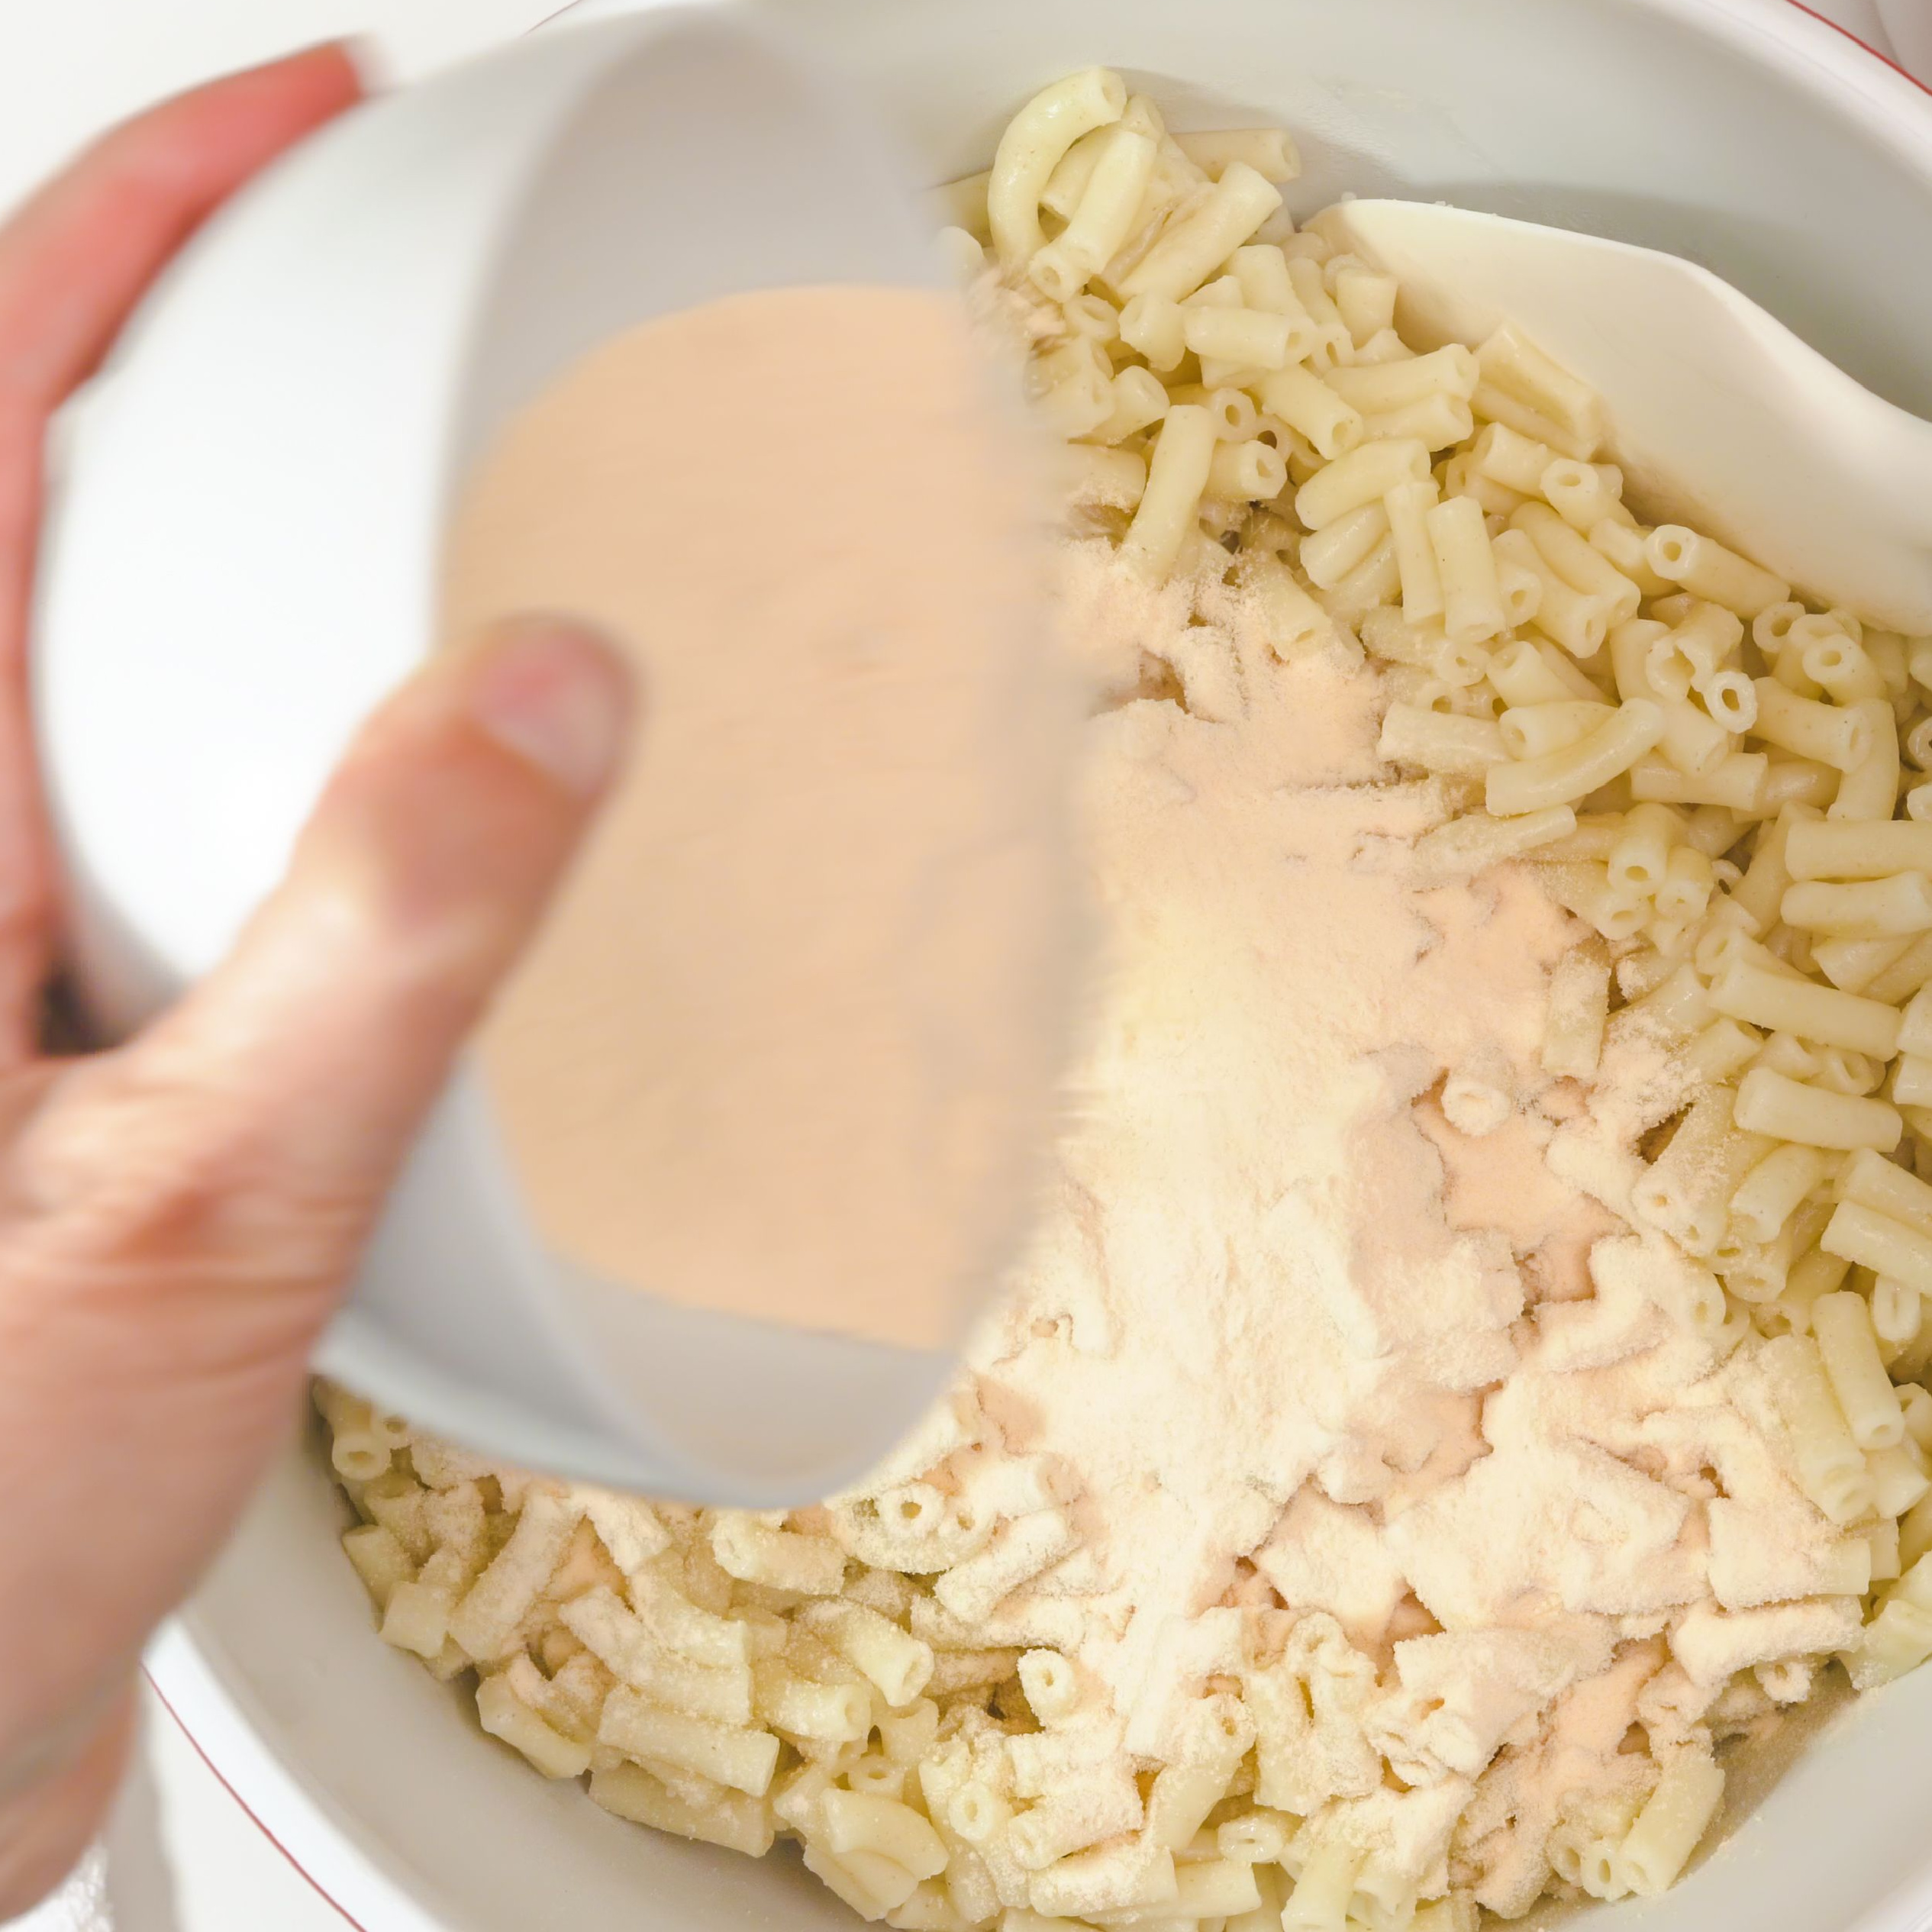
column 179, row 1217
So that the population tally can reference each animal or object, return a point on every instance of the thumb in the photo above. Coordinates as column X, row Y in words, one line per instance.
column 178, row 1218
column 314, row 1053
column 183, row 1213
column 292, row 1080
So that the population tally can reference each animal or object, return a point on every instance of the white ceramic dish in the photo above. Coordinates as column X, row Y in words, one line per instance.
column 1744, row 133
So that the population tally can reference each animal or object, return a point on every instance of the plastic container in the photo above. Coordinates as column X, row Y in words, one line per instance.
column 246, row 556
column 1743, row 132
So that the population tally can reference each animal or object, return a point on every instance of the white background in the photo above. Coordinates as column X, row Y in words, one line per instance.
column 67, row 68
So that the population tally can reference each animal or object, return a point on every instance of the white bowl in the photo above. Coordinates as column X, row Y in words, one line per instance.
column 1742, row 132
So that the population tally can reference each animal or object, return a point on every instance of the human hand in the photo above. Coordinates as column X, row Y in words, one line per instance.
column 179, row 1217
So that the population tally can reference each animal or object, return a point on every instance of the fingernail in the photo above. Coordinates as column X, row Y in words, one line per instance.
column 556, row 694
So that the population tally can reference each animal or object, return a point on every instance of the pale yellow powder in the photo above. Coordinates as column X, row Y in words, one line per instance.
column 788, row 1041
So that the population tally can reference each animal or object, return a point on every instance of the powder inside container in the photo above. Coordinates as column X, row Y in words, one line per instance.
column 789, row 1039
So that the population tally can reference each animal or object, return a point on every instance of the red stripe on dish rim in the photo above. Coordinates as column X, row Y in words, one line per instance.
column 1836, row 27
column 294, row 1863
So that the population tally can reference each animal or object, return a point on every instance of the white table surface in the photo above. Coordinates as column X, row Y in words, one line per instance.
column 187, row 1858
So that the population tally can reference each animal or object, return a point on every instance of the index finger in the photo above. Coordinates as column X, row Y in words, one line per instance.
column 73, row 264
